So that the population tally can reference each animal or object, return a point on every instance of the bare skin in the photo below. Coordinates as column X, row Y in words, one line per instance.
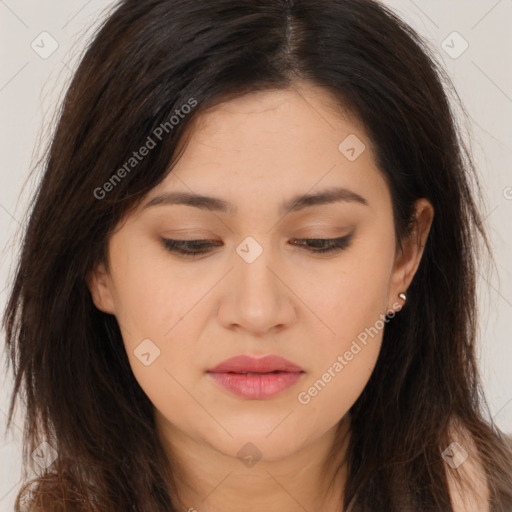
column 256, row 152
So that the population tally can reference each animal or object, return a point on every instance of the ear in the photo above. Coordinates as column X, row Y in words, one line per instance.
column 99, row 284
column 408, row 259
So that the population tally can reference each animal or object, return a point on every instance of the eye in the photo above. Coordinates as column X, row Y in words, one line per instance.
column 197, row 247
column 320, row 245
column 189, row 247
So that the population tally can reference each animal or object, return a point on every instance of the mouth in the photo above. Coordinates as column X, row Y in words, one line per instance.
column 256, row 378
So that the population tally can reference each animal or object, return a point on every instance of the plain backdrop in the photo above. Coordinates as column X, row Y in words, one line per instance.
column 41, row 43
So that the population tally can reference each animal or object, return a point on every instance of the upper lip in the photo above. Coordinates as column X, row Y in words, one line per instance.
column 266, row 364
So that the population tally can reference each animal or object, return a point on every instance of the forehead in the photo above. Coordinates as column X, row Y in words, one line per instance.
column 265, row 121
column 265, row 143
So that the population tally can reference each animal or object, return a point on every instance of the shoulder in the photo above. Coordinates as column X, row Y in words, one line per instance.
column 467, row 481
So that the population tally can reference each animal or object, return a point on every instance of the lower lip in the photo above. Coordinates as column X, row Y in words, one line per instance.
column 257, row 387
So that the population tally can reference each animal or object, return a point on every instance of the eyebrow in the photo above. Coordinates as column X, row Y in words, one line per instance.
column 296, row 203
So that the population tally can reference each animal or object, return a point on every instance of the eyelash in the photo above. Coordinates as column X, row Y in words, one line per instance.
column 184, row 247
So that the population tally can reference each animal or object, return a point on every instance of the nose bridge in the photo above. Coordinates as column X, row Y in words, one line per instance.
column 256, row 283
column 259, row 301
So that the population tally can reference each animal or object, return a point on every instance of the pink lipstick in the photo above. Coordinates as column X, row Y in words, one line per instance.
column 256, row 378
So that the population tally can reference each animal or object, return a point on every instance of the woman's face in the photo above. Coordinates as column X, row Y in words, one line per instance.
column 255, row 292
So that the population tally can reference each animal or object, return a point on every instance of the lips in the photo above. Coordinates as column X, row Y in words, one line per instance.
column 249, row 364
column 256, row 378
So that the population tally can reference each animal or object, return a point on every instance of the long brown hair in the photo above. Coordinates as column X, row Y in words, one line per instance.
column 148, row 60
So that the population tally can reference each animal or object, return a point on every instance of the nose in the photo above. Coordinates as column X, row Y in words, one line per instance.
column 257, row 298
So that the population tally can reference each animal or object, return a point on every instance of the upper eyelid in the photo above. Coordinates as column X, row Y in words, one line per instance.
column 210, row 242
column 336, row 231
column 321, row 238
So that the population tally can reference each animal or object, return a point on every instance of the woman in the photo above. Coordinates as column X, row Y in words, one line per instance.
column 248, row 279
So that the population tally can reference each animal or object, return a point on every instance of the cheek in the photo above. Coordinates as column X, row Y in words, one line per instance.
column 343, row 359
column 151, row 297
column 157, row 310
column 351, row 297
column 329, row 395
column 342, row 364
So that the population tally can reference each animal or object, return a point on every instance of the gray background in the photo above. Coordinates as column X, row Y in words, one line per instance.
column 32, row 83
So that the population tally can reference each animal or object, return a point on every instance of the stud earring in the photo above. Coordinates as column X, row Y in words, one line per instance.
column 402, row 296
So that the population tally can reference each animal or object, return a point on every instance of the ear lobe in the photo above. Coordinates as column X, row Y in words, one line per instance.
column 99, row 284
